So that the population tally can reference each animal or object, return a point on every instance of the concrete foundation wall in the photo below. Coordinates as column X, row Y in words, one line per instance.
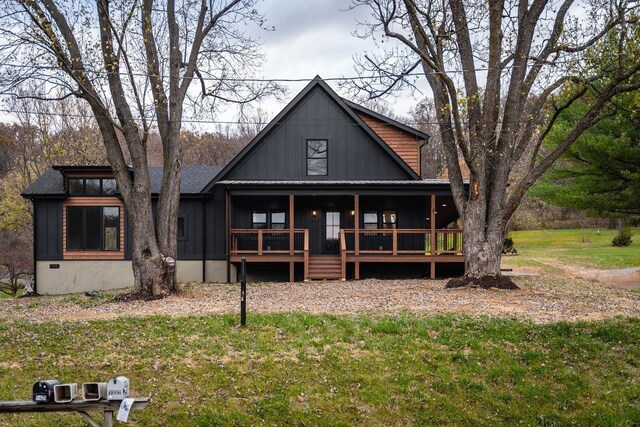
column 82, row 276
column 217, row 271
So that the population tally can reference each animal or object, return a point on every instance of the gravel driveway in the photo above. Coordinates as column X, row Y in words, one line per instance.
column 541, row 300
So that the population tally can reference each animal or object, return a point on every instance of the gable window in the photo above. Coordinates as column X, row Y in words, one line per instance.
column 259, row 220
column 389, row 219
column 317, row 157
column 93, row 228
column 370, row 220
column 278, row 220
column 91, row 186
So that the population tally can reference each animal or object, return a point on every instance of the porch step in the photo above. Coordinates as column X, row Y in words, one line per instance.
column 325, row 267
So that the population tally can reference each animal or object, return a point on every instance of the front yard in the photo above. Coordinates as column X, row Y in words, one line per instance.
column 319, row 369
column 540, row 300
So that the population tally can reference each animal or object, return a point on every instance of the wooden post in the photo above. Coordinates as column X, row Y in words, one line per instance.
column 291, row 224
column 306, row 255
column 291, row 272
column 356, row 235
column 395, row 241
column 433, row 224
column 227, row 213
column 432, row 273
column 260, row 242
column 356, row 224
column 107, row 419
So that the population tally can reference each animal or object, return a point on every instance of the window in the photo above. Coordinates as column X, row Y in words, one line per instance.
column 76, row 186
column 181, row 230
column 389, row 219
column 93, row 228
column 333, row 225
column 370, row 220
column 278, row 220
column 109, row 186
column 317, row 157
column 91, row 186
column 259, row 220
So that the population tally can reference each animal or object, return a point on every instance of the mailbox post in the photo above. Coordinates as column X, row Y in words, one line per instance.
column 243, row 292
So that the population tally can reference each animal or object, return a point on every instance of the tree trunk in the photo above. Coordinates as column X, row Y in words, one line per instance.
column 482, row 245
column 153, row 275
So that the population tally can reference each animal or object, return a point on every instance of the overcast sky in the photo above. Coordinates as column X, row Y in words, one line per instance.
column 314, row 37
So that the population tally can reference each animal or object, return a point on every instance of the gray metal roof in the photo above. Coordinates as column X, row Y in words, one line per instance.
column 193, row 180
column 340, row 182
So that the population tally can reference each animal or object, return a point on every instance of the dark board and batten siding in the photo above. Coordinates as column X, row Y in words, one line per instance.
column 352, row 154
column 49, row 230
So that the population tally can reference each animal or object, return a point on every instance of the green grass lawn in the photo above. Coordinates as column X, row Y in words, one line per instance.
column 3, row 295
column 588, row 247
column 303, row 369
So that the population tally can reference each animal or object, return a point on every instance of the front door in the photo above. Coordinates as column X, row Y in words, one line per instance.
column 332, row 232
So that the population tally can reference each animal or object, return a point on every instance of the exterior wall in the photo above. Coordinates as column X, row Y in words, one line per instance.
column 48, row 229
column 403, row 143
column 86, row 275
column 82, row 276
column 216, row 271
column 351, row 152
column 190, row 246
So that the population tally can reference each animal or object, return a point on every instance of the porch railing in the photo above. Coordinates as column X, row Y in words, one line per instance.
column 401, row 242
column 268, row 241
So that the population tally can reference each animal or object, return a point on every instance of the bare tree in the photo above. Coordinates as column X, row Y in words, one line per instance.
column 424, row 118
column 134, row 62
column 15, row 259
column 479, row 56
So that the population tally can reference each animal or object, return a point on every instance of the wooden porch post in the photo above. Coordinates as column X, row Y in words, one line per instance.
column 432, row 274
column 291, row 224
column 291, row 238
column 228, row 230
column 356, row 234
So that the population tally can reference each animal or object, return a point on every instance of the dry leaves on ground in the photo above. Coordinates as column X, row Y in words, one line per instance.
column 541, row 300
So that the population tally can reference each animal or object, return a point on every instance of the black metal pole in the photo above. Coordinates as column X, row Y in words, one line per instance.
column 243, row 291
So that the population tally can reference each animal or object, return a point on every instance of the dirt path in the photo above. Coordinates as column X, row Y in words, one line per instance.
column 622, row 278
column 541, row 300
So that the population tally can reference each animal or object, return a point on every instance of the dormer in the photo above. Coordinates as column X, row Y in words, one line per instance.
column 93, row 181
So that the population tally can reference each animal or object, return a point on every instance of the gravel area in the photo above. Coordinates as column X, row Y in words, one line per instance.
column 541, row 300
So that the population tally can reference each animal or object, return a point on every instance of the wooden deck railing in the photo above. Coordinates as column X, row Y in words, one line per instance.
column 343, row 255
column 268, row 241
column 401, row 242
column 306, row 255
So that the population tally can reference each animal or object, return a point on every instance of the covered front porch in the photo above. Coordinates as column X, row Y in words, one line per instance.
column 321, row 233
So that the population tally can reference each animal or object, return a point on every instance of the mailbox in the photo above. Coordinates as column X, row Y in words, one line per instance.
column 94, row 391
column 43, row 391
column 63, row 393
column 118, row 388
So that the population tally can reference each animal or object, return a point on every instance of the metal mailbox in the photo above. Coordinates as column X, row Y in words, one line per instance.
column 94, row 391
column 118, row 388
column 43, row 391
column 63, row 393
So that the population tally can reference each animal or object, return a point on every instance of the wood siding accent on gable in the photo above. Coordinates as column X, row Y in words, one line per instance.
column 92, row 255
column 403, row 143
column 352, row 153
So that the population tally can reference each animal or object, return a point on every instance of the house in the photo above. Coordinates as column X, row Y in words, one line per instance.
column 327, row 190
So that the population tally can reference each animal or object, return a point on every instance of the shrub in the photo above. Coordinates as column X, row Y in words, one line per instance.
column 624, row 238
column 507, row 245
